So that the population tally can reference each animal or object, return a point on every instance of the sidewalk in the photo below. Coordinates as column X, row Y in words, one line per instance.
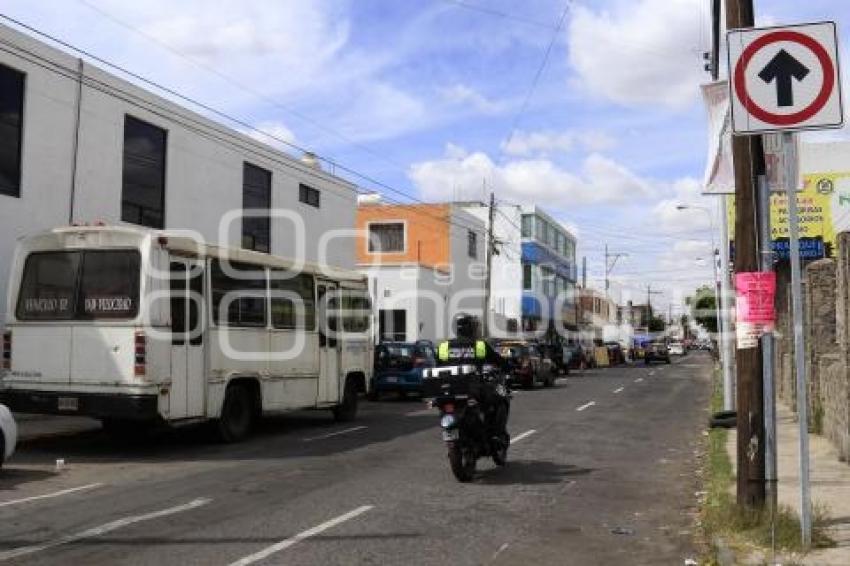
column 829, row 479
column 31, row 427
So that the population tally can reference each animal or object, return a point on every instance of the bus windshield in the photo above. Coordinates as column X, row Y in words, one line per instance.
column 80, row 285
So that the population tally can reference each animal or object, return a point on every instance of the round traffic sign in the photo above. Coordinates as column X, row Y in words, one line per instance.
column 795, row 117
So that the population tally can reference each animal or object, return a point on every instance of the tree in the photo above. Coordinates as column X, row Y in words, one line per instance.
column 657, row 324
column 704, row 308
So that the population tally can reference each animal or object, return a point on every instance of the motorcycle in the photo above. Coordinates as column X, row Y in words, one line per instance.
column 463, row 397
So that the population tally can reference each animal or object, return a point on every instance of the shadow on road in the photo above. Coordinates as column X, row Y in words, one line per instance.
column 274, row 438
column 12, row 477
column 531, row 472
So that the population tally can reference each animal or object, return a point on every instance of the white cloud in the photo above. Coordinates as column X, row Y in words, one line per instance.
column 274, row 134
column 700, row 212
column 547, row 142
column 459, row 175
column 463, row 95
column 644, row 52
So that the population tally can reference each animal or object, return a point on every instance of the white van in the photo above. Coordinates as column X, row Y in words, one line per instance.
column 134, row 326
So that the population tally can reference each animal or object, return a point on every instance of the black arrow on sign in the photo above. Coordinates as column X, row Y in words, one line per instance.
column 783, row 67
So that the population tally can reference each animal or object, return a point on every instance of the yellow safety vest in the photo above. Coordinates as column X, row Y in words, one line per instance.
column 443, row 351
column 480, row 350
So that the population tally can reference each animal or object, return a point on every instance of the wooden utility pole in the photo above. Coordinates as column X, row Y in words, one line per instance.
column 491, row 248
column 748, row 159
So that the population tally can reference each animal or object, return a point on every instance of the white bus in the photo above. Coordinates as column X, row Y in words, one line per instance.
column 134, row 326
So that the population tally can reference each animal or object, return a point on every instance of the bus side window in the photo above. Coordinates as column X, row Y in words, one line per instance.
column 323, row 310
column 196, row 303
column 178, row 303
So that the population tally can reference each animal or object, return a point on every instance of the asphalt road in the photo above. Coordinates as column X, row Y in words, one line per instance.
column 606, row 477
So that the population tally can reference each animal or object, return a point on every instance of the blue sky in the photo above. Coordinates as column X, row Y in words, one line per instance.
column 434, row 98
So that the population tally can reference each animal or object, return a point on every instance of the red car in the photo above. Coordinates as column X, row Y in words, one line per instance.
column 528, row 366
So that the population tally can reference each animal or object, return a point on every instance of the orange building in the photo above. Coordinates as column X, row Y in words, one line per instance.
column 425, row 264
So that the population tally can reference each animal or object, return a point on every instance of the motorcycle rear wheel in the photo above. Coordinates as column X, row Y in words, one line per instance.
column 462, row 460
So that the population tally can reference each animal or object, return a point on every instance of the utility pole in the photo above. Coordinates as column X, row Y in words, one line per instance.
column 748, row 160
column 491, row 248
column 609, row 267
column 649, row 293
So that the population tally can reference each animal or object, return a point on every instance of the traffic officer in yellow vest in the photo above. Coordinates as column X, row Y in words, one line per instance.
column 466, row 349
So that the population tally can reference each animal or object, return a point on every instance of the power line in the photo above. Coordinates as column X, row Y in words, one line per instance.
column 539, row 71
column 169, row 114
column 499, row 14
column 240, row 85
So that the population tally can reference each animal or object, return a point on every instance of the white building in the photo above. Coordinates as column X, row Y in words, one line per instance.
column 78, row 144
column 534, row 273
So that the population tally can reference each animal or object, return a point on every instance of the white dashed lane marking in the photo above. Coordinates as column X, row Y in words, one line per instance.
column 519, row 437
column 332, row 434
column 619, row 389
column 101, row 530
column 284, row 544
column 585, row 406
column 50, row 495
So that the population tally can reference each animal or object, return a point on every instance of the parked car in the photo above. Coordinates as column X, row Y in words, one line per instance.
column 616, row 355
column 527, row 365
column 399, row 366
column 559, row 355
column 657, row 352
column 677, row 349
column 8, row 434
column 581, row 356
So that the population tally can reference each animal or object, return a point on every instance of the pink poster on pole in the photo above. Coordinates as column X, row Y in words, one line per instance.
column 755, row 295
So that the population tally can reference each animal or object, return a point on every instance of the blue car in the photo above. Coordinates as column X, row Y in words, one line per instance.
column 399, row 367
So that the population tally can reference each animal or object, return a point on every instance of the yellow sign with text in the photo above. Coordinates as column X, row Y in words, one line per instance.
column 823, row 211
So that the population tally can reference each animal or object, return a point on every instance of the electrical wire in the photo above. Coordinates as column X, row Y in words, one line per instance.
column 539, row 72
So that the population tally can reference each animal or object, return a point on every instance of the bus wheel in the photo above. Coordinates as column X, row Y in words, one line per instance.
column 347, row 410
column 236, row 415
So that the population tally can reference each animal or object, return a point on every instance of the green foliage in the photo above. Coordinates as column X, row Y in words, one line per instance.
column 704, row 308
column 657, row 324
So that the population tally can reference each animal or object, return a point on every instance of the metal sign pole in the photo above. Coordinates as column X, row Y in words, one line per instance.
column 766, row 244
column 726, row 336
column 799, row 342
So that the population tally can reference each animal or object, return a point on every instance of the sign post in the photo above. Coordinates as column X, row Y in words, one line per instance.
column 786, row 79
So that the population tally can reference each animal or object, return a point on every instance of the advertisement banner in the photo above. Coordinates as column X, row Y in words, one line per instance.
column 823, row 211
column 719, row 175
column 754, row 306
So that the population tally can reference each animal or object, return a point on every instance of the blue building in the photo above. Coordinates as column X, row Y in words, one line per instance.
column 548, row 272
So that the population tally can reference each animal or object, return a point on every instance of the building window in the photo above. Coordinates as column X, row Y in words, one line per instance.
column 143, row 186
column 392, row 325
column 526, row 276
column 386, row 237
column 472, row 244
column 527, row 225
column 540, row 229
column 11, row 128
column 256, row 197
column 308, row 195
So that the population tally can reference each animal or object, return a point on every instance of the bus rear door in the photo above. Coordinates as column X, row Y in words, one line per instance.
column 188, row 325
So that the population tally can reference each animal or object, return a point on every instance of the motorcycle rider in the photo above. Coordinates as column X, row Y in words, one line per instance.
column 467, row 349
